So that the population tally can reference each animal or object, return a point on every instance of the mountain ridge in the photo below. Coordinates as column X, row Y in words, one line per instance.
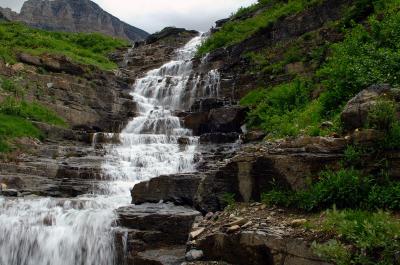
column 73, row 16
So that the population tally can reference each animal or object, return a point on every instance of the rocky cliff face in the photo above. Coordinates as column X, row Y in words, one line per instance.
column 74, row 16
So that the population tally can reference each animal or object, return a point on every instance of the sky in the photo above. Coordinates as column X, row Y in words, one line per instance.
column 154, row 15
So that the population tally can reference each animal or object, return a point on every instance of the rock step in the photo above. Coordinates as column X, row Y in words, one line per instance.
column 153, row 233
column 27, row 184
column 179, row 189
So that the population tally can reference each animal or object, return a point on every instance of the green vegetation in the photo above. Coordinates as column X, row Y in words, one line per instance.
column 90, row 49
column 229, row 200
column 16, row 115
column 238, row 30
column 365, row 57
column 285, row 110
column 365, row 238
column 334, row 73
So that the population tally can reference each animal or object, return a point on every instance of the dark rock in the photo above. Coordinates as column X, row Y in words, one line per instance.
column 162, row 256
column 206, row 104
column 355, row 113
column 9, row 193
column 174, row 222
column 169, row 31
column 53, row 63
column 227, row 119
column 220, row 120
column 75, row 16
column 179, row 189
column 257, row 248
column 253, row 136
column 254, row 168
column 219, row 138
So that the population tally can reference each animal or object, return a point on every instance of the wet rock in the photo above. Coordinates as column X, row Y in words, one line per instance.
column 174, row 222
column 227, row 119
column 179, row 189
column 9, row 193
column 219, row 138
column 355, row 113
column 207, row 104
column 194, row 254
column 162, row 256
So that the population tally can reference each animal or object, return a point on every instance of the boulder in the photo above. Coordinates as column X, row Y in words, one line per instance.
column 257, row 248
column 179, row 189
column 355, row 113
column 219, row 138
column 226, row 119
column 174, row 222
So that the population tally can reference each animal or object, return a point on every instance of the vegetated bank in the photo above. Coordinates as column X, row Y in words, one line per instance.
column 28, row 92
column 338, row 79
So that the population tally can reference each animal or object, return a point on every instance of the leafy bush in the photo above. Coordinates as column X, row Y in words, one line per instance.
column 382, row 115
column 285, row 110
column 366, row 56
column 374, row 236
column 385, row 197
column 229, row 200
column 92, row 49
column 346, row 188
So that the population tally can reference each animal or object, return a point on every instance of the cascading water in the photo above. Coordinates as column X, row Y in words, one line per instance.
column 49, row 231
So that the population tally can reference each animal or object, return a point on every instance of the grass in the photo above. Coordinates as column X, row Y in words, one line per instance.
column 12, row 127
column 236, row 31
column 367, row 55
column 17, row 115
column 365, row 238
column 89, row 49
column 285, row 110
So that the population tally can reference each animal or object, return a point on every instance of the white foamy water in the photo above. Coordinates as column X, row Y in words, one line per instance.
column 49, row 231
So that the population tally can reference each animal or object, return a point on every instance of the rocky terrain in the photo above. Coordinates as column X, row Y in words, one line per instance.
column 73, row 16
column 217, row 214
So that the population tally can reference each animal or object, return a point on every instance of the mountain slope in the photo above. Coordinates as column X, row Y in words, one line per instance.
column 74, row 16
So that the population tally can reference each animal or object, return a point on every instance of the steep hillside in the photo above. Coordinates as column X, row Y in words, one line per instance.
column 74, row 16
column 296, row 63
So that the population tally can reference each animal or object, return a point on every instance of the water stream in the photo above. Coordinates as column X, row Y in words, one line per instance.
column 79, row 231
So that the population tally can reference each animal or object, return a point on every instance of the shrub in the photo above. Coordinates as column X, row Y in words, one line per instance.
column 229, row 200
column 366, row 56
column 374, row 236
column 346, row 188
column 283, row 110
column 382, row 115
column 384, row 197
column 353, row 156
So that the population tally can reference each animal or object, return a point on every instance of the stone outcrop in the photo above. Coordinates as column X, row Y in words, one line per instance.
column 73, row 16
column 253, row 234
column 179, row 189
column 144, row 57
column 355, row 113
column 226, row 119
column 155, row 233
column 233, row 64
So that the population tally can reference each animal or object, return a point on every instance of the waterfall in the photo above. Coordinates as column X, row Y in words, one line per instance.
column 50, row 231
